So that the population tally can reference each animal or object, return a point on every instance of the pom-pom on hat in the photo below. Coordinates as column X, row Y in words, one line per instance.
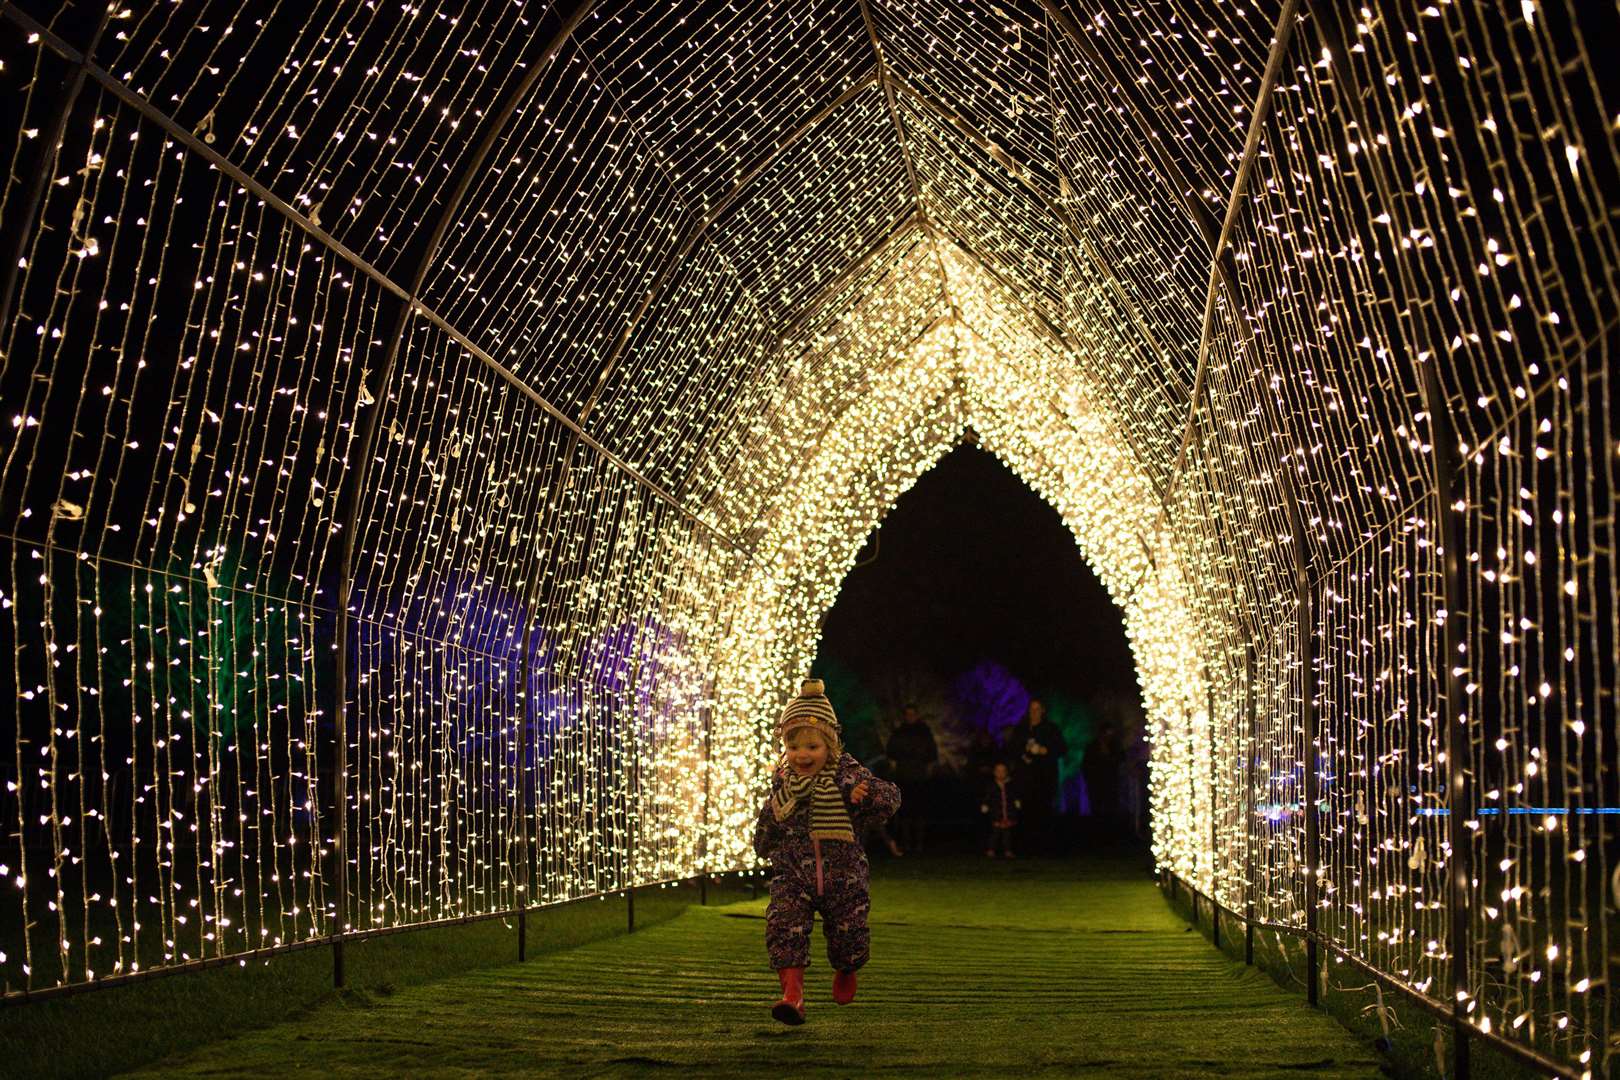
column 810, row 709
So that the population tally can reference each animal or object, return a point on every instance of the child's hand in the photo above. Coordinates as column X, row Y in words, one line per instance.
column 858, row 793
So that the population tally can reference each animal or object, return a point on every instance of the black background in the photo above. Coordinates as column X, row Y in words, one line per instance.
column 972, row 565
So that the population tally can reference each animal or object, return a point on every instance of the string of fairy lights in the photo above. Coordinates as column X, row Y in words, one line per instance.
column 776, row 260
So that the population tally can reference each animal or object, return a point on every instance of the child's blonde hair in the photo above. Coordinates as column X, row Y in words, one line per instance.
column 835, row 746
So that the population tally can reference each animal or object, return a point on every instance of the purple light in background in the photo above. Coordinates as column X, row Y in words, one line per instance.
column 610, row 659
column 631, row 652
column 989, row 698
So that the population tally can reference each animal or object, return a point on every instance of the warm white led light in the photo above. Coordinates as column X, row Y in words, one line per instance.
column 714, row 293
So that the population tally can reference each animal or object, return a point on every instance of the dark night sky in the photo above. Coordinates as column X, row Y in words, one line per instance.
column 973, row 566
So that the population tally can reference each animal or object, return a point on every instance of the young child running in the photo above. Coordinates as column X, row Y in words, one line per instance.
column 807, row 831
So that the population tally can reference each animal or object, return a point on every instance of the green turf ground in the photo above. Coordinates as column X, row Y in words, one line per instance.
column 979, row 969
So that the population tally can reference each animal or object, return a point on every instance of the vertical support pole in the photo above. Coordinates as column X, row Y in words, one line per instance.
column 1452, row 540
column 525, row 730
column 630, row 908
column 1192, row 807
column 703, row 890
column 708, row 765
column 1307, row 718
column 348, row 513
column 340, row 784
column 1214, row 830
column 1250, row 767
column 1313, row 817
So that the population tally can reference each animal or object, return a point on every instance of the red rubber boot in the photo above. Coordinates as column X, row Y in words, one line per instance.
column 790, row 1010
column 844, row 987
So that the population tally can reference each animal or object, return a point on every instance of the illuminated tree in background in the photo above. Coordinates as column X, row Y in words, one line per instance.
column 990, row 697
column 480, row 336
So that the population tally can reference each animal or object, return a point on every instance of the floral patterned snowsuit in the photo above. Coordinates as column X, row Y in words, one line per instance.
column 828, row 876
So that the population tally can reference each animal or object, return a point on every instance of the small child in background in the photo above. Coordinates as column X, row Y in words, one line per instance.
column 821, row 800
column 1000, row 804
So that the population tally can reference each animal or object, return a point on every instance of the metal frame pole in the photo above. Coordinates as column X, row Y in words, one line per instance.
column 1010, row 168
column 1309, row 735
column 1222, row 268
column 1214, row 828
column 1250, row 765
column 905, row 152
column 1452, row 540
column 707, row 712
column 525, row 768
column 191, row 142
column 668, row 270
column 1192, row 804
column 366, row 436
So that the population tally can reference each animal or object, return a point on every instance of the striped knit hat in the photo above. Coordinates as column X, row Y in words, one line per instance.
column 811, row 709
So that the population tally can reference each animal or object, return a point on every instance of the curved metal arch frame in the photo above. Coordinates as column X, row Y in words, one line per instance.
column 1433, row 396
column 905, row 151
column 1216, row 234
column 1445, row 470
column 912, row 221
column 144, row 107
column 1066, row 220
column 690, row 241
column 366, row 440
column 27, row 218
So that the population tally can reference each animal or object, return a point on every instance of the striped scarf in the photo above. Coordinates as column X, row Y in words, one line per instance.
column 829, row 818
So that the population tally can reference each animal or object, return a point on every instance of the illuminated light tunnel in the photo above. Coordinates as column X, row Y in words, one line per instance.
column 432, row 438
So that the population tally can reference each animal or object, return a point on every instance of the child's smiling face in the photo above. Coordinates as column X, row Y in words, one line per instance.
column 807, row 750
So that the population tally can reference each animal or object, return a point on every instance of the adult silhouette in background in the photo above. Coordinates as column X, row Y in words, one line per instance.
column 1034, row 746
column 913, row 754
column 1104, row 760
column 982, row 756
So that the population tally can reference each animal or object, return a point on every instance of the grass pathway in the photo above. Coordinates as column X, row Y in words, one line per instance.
column 1007, row 969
